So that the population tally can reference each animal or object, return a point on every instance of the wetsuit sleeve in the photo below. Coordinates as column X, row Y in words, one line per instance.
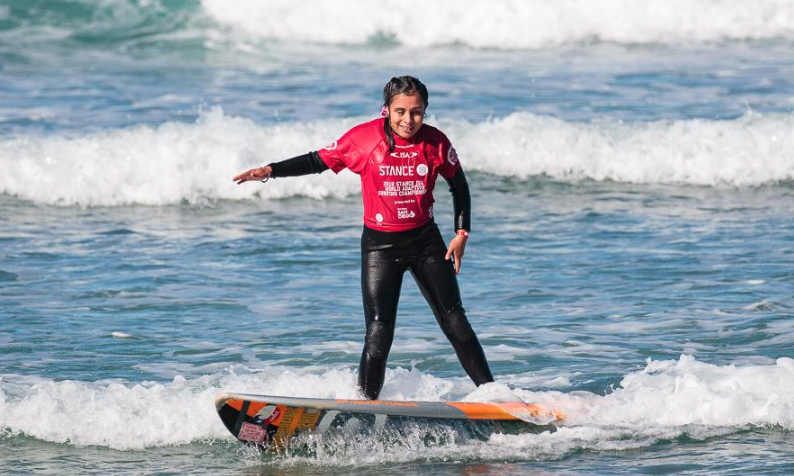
column 301, row 165
column 344, row 154
column 461, row 200
column 450, row 165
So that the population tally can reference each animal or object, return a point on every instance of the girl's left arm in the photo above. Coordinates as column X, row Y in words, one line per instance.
column 461, row 204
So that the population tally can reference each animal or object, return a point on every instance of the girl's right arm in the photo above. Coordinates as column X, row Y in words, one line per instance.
column 305, row 164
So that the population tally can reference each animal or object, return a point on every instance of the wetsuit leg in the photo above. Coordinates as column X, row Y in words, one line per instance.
column 381, row 278
column 436, row 278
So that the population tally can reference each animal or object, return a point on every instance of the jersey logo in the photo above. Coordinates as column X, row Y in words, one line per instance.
column 452, row 156
column 421, row 170
column 403, row 213
column 331, row 146
column 397, row 170
column 404, row 155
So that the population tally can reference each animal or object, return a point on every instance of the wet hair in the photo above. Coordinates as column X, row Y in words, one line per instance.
column 407, row 85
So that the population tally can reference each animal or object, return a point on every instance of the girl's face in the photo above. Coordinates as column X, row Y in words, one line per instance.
column 406, row 114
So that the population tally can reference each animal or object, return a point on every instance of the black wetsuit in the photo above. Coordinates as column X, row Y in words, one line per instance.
column 385, row 257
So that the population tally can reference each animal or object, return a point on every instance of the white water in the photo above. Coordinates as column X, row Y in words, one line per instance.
column 664, row 400
column 493, row 24
column 178, row 162
column 507, row 24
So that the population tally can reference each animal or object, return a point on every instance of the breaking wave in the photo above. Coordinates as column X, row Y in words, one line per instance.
column 664, row 400
column 508, row 24
column 177, row 163
column 133, row 26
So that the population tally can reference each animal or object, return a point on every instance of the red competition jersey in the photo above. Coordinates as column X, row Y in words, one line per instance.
column 397, row 187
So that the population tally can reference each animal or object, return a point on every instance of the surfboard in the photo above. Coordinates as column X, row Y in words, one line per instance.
column 272, row 422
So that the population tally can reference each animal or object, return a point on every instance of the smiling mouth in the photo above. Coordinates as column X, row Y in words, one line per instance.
column 404, row 130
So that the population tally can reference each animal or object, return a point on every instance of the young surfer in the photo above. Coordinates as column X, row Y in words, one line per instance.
column 398, row 159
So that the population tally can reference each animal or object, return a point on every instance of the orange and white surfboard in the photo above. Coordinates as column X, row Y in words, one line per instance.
column 272, row 421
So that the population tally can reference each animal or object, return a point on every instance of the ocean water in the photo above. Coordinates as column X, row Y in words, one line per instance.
column 632, row 173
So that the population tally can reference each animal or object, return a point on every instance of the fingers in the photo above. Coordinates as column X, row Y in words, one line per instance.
column 243, row 177
column 455, row 250
column 253, row 174
column 458, row 261
column 456, row 254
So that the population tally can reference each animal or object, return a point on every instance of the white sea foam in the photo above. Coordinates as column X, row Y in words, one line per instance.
column 492, row 24
column 178, row 162
column 510, row 24
column 664, row 400
column 677, row 393
column 135, row 416
column 169, row 164
column 751, row 150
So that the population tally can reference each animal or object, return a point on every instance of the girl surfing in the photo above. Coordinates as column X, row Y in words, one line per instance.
column 399, row 158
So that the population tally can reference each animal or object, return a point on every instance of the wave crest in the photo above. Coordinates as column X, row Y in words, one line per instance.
column 751, row 150
column 159, row 26
column 508, row 24
column 190, row 163
column 665, row 400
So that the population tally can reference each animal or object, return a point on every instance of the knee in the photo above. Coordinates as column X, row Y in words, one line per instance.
column 378, row 340
column 456, row 326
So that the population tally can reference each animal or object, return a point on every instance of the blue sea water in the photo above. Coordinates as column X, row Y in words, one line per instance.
column 632, row 173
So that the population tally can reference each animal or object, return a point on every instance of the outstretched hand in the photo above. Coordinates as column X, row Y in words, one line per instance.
column 456, row 249
column 261, row 173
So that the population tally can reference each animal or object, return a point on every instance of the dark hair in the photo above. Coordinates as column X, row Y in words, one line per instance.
column 407, row 85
